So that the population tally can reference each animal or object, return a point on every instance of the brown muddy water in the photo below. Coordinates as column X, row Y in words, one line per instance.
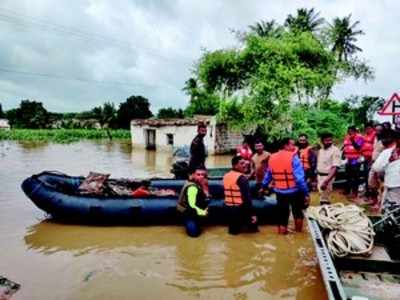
column 56, row 261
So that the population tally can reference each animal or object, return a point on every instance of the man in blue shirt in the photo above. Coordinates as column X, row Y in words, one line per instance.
column 286, row 174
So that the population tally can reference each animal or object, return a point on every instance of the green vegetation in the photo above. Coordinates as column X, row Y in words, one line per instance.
column 61, row 135
column 279, row 79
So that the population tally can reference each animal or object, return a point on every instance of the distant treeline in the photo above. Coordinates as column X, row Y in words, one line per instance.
column 33, row 115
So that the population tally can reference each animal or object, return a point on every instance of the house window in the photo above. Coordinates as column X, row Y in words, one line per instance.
column 170, row 139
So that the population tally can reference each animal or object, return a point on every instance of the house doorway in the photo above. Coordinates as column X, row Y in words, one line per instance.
column 150, row 139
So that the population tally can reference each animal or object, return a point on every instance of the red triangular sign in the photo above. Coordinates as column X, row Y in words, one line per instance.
column 391, row 106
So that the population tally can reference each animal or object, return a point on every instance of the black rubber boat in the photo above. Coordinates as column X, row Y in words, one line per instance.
column 359, row 277
column 56, row 194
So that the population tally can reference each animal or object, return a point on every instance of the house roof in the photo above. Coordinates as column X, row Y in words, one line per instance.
column 171, row 122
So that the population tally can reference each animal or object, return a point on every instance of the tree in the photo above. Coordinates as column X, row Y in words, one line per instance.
column 1, row 112
column 266, row 29
column 343, row 36
column 135, row 107
column 306, row 20
column 30, row 114
column 106, row 116
column 170, row 113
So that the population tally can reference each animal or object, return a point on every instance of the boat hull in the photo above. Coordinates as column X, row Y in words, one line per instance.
column 55, row 194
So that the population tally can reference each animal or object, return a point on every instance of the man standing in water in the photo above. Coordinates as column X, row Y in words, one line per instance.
column 192, row 201
column 198, row 149
column 287, row 174
column 327, row 163
column 238, row 199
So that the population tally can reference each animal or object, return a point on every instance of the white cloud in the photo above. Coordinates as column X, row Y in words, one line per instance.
column 153, row 45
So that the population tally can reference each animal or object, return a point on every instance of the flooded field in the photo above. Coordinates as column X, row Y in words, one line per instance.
column 56, row 261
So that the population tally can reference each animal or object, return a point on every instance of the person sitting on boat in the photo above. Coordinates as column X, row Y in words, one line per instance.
column 286, row 173
column 192, row 201
column 388, row 162
column 238, row 199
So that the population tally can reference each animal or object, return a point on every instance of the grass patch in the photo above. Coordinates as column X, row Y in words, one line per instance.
column 61, row 135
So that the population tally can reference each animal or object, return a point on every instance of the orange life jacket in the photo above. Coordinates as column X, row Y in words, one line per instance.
column 245, row 153
column 304, row 155
column 233, row 196
column 349, row 151
column 368, row 147
column 280, row 164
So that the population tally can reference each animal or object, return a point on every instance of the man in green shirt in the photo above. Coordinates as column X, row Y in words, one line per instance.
column 192, row 201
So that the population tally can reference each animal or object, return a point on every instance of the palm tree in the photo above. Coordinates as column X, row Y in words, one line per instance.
column 343, row 35
column 306, row 20
column 266, row 29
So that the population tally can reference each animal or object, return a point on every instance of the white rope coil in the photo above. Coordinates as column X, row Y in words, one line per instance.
column 351, row 231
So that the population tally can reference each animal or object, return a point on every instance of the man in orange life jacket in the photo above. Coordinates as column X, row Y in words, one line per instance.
column 287, row 175
column 192, row 201
column 308, row 159
column 352, row 145
column 238, row 199
column 367, row 150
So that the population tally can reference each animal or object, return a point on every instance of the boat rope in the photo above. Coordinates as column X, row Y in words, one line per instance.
column 350, row 230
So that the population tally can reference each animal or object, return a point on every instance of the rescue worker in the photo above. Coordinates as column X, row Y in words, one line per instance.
column 308, row 159
column 198, row 149
column 238, row 199
column 375, row 179
column 388, row 163
column 328, row 161
column 378, row 147
column 192, row 202
column 259, row 162
column 352, row 146
column 287, row 176
column 367, row 150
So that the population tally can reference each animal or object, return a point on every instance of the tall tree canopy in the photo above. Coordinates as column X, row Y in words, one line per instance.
column 135, row 107
column 29, row 114
column 258, row 84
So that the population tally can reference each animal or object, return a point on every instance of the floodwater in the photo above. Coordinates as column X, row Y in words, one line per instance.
column 57, row 261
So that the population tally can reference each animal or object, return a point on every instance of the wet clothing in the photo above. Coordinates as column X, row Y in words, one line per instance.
column 293, row 201
column 232, row 193
column 260, row 162
column 192, row 204
column 197, row 153
column 298, row 178
column 239, row 212
column 291, row 196
column 192, row 198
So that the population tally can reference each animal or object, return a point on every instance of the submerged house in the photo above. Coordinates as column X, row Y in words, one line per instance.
column 164, row 134
column 4, row 124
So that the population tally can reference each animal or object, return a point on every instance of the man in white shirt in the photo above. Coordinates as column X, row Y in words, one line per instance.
column 388, row 163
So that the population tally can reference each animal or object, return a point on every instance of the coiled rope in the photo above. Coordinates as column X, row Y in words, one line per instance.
column 351, row 231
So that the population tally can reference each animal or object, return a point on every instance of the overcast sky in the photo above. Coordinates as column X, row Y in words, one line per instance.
column 73, row 55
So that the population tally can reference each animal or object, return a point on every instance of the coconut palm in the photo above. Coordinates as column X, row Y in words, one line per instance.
column 343, row 35
column 266, row 29
column 305, row 20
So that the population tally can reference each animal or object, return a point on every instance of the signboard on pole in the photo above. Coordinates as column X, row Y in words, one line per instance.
column 391, row 108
